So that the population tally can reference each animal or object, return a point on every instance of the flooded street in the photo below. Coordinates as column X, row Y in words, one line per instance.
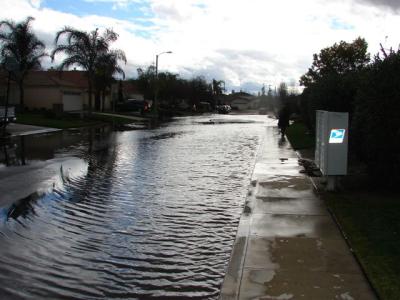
column 128, row 214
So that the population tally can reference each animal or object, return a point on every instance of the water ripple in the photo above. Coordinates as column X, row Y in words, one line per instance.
column 153, row 215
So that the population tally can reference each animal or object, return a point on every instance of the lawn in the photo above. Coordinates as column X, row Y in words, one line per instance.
column 65, row 122
column 298, row 135
column 370, row 220
column 39, row 119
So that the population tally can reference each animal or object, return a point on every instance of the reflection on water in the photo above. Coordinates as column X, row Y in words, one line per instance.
column 21, row 208
column 133, row 214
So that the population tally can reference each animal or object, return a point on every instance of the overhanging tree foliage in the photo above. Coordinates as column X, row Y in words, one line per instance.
column 376, row 130
column 342, row 79
column 339, row 59
column 332, row 80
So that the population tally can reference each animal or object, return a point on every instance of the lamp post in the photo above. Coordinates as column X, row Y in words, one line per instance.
column 154, row 106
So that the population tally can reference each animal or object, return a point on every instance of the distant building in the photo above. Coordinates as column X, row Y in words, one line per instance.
column 242, row 101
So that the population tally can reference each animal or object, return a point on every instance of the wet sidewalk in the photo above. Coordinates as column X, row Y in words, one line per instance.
column 15, row 129
column 287, row 245
column 134, row 118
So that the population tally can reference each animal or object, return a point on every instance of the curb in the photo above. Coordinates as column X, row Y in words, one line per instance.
column 249, row 194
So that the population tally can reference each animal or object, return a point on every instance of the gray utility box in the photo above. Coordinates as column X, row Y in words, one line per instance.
column 331, row 142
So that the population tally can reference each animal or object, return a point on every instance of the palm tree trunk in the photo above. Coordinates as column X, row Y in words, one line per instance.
column 97, row 100
column 103, row 100
column 21, row 96
column 22, row 153
column 6, row 105
column 90, row 95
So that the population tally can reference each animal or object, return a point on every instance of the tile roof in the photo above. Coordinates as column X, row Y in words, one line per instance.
column 51, row 78
column 74, row 78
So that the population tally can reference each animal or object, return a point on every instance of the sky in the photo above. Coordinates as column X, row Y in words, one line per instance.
column 246, row 43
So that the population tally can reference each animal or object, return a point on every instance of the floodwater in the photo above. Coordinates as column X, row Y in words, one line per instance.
column 134, row 214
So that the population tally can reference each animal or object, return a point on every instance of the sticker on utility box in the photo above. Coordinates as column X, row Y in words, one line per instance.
column 337, row 136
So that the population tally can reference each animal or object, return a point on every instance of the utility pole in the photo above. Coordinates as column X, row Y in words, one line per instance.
column 154, row 105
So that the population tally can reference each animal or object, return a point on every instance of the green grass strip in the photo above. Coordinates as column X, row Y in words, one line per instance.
column 371, row 222
column 299, row 138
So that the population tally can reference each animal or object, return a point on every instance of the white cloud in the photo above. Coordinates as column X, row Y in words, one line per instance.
column 36, row 3
column 392, row 4
column 246, row 43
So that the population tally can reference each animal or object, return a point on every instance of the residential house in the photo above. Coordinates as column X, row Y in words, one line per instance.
column 53, row 90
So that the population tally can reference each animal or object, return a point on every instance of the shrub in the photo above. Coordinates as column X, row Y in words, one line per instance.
column 376, row 123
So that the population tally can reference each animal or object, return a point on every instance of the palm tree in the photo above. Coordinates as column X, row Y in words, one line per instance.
column 217, row 90
column 106, row 67
column 20, row 50
column 83, row 49
column 217, row 87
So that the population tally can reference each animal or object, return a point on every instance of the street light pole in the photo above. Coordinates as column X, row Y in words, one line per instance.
column 154, row 106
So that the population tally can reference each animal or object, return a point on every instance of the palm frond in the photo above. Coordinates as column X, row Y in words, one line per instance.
column 91, row 51
column 28, row 21
column 110, row 36
column 57, row 49
column 119, row 70
column 119, row 54
column 9, row 24
column 72, row 61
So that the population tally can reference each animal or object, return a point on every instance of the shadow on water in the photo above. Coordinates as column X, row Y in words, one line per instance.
column 13, row 153
column 227, row 121
column 168, row 135
column 22, row 208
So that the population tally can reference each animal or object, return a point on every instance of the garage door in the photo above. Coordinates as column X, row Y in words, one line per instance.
column 72, row 101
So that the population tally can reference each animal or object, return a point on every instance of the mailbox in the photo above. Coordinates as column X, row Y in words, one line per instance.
column 331, row 142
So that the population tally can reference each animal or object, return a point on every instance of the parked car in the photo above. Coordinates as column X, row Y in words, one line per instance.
column 134, row 105
column 10, row 114
column 223, row 109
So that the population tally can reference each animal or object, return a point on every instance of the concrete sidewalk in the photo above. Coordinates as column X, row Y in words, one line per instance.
column 287, row 245
column 15, row 129
column 134, row 118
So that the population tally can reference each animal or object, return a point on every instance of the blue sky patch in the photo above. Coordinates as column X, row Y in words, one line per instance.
column 340, row 25
column 200, row 5
column 131, row 12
